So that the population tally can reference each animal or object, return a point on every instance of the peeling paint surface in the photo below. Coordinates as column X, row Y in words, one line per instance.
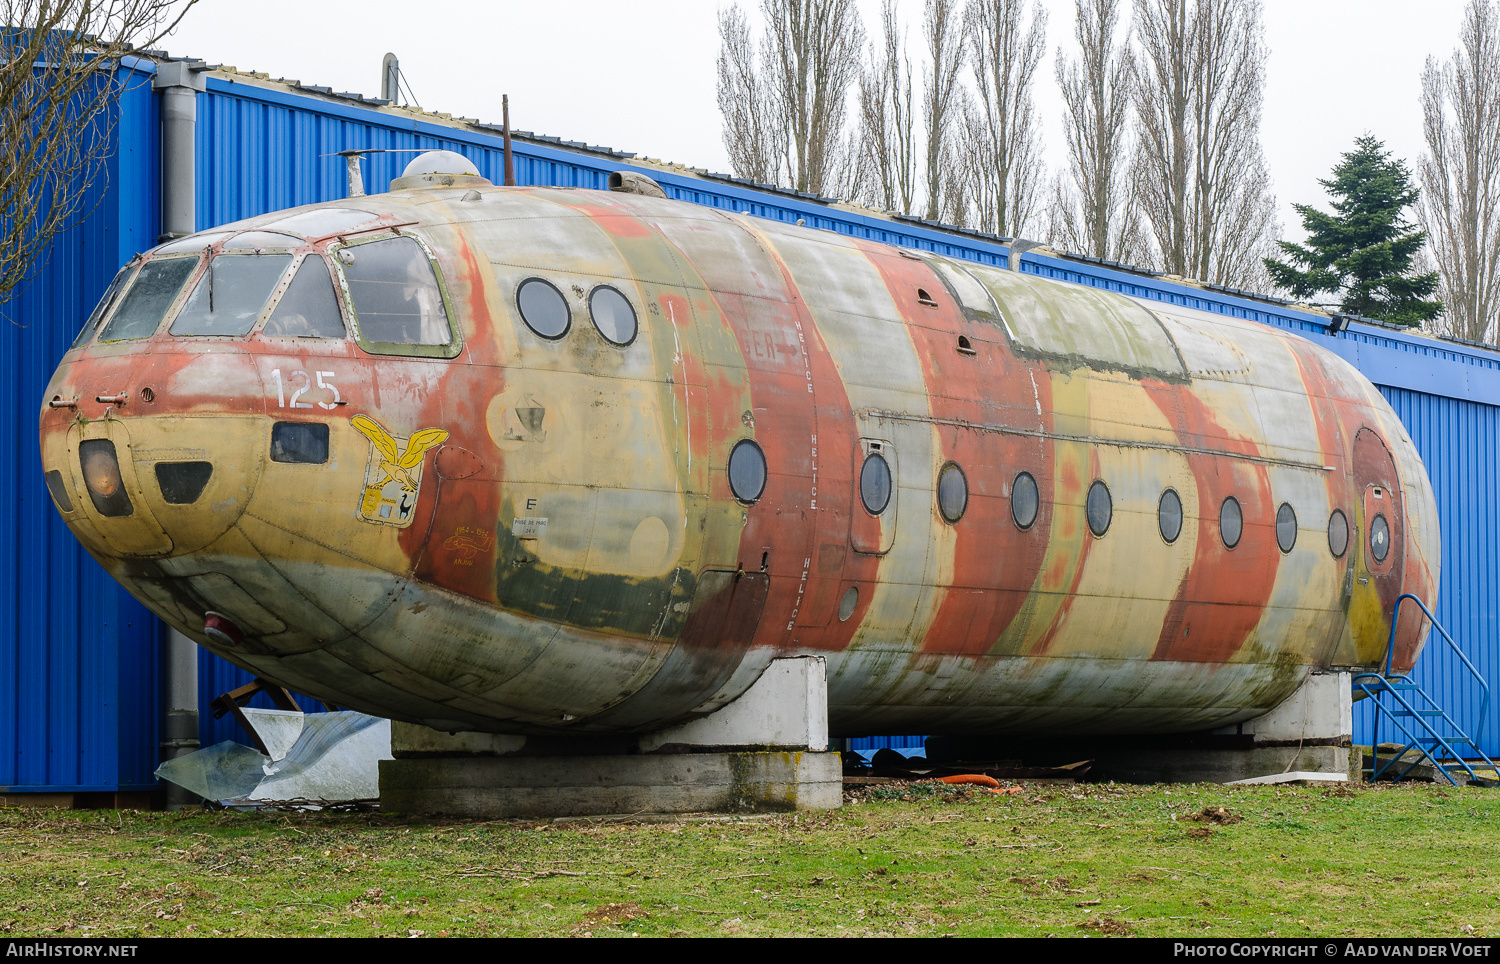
column 533, row 525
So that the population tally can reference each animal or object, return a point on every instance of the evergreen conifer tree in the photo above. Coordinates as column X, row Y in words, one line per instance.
column 1363, row 251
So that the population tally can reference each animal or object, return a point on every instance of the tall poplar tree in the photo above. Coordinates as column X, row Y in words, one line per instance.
column 1200, row 173
column 1460, row 206
column 1363, row 251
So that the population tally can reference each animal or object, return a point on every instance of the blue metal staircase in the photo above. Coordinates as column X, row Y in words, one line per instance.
column 1423, row 725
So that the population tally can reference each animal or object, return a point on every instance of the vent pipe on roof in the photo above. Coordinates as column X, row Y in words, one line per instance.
column 510, row 167
column 390, row 78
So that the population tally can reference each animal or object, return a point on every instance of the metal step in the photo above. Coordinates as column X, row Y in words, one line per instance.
column 1429, row 734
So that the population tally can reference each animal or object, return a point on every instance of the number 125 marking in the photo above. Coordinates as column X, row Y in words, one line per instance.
column 325, row 382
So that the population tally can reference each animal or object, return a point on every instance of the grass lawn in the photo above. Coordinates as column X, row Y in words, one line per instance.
column 1052, row 859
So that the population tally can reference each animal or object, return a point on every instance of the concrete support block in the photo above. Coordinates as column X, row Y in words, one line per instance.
column 786, row 707
column 767, row 750
column 1194, row 765
column 494, row 787
column 414, row 740
column 1321, row 711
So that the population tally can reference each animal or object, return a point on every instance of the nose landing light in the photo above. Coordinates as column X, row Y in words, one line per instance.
column 101, row 475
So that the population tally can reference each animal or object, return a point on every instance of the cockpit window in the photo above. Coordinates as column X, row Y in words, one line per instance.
column 148, row 298
column 105, row 303
column 322, row 223
column 262, row 240
column 309, row 308
column 397, row 301
column 230, row 294
column 193, row 242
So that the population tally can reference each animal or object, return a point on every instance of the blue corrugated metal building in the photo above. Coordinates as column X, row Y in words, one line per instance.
column 80, row 660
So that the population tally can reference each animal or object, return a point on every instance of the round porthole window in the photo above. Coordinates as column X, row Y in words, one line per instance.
column 747, row 471
column 1286, row 527
column 1169, row 515
column 1338, row 534
column 543, row 308
column 875, row 483
column 1100, row 508
column 952, row 492
column 1380, row 538
column 1024, row 500
column 1231, row 522
column 847, row 604
column 613, row 315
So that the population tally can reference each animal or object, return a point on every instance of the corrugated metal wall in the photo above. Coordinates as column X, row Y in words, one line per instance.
column 78, row 655
column 1457, row 440
column 79, row 659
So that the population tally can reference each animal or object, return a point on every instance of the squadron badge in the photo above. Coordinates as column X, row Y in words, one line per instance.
column 394, row 473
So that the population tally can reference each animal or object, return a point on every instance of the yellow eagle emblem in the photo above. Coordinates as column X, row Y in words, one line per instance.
column 394, row 473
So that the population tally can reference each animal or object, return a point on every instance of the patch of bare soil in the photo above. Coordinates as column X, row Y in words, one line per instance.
column 608, row 915
column 1106, row 925
column 1218, row 816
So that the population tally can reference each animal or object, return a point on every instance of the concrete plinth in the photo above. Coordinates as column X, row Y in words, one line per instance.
column 1310, row 733
column 767, row 750
column 584, row 785
column 1220, row 765
column 1321, row 711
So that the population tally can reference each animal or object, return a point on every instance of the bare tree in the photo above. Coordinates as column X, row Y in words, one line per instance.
column 888, row 129
column 1460, row 204
column 1199, row 171
column 791, row 98
column 1094, row 207
column 813, row 50
column 59, row 90
column 942, row 28
column 751, row 136
column 1004, row 134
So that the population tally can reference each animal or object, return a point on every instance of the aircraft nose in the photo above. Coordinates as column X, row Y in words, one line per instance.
column 150, row 487
column 142, row 477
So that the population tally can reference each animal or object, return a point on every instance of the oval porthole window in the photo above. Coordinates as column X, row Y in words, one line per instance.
column 1024, row 500
column 1169, row 515
column 875, row 484
column 543, row 308
column 1286, row 527
column 747, row 471
column 613, row 315
column 1338, row 534
column 1100, row 508
column 952, row 492
column 1231, row 522
column 847, row 604
column 1380, row 538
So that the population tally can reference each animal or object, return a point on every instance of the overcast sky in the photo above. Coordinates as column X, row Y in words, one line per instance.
column 641, row 76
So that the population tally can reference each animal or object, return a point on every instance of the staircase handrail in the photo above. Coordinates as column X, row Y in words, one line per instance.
column 1390, row 654
column 1449, row 745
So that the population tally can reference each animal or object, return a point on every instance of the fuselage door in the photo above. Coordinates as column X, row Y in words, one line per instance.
column 872, row 518
column 1379, row 544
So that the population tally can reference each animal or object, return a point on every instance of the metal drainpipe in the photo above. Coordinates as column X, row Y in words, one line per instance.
column 179, row 83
